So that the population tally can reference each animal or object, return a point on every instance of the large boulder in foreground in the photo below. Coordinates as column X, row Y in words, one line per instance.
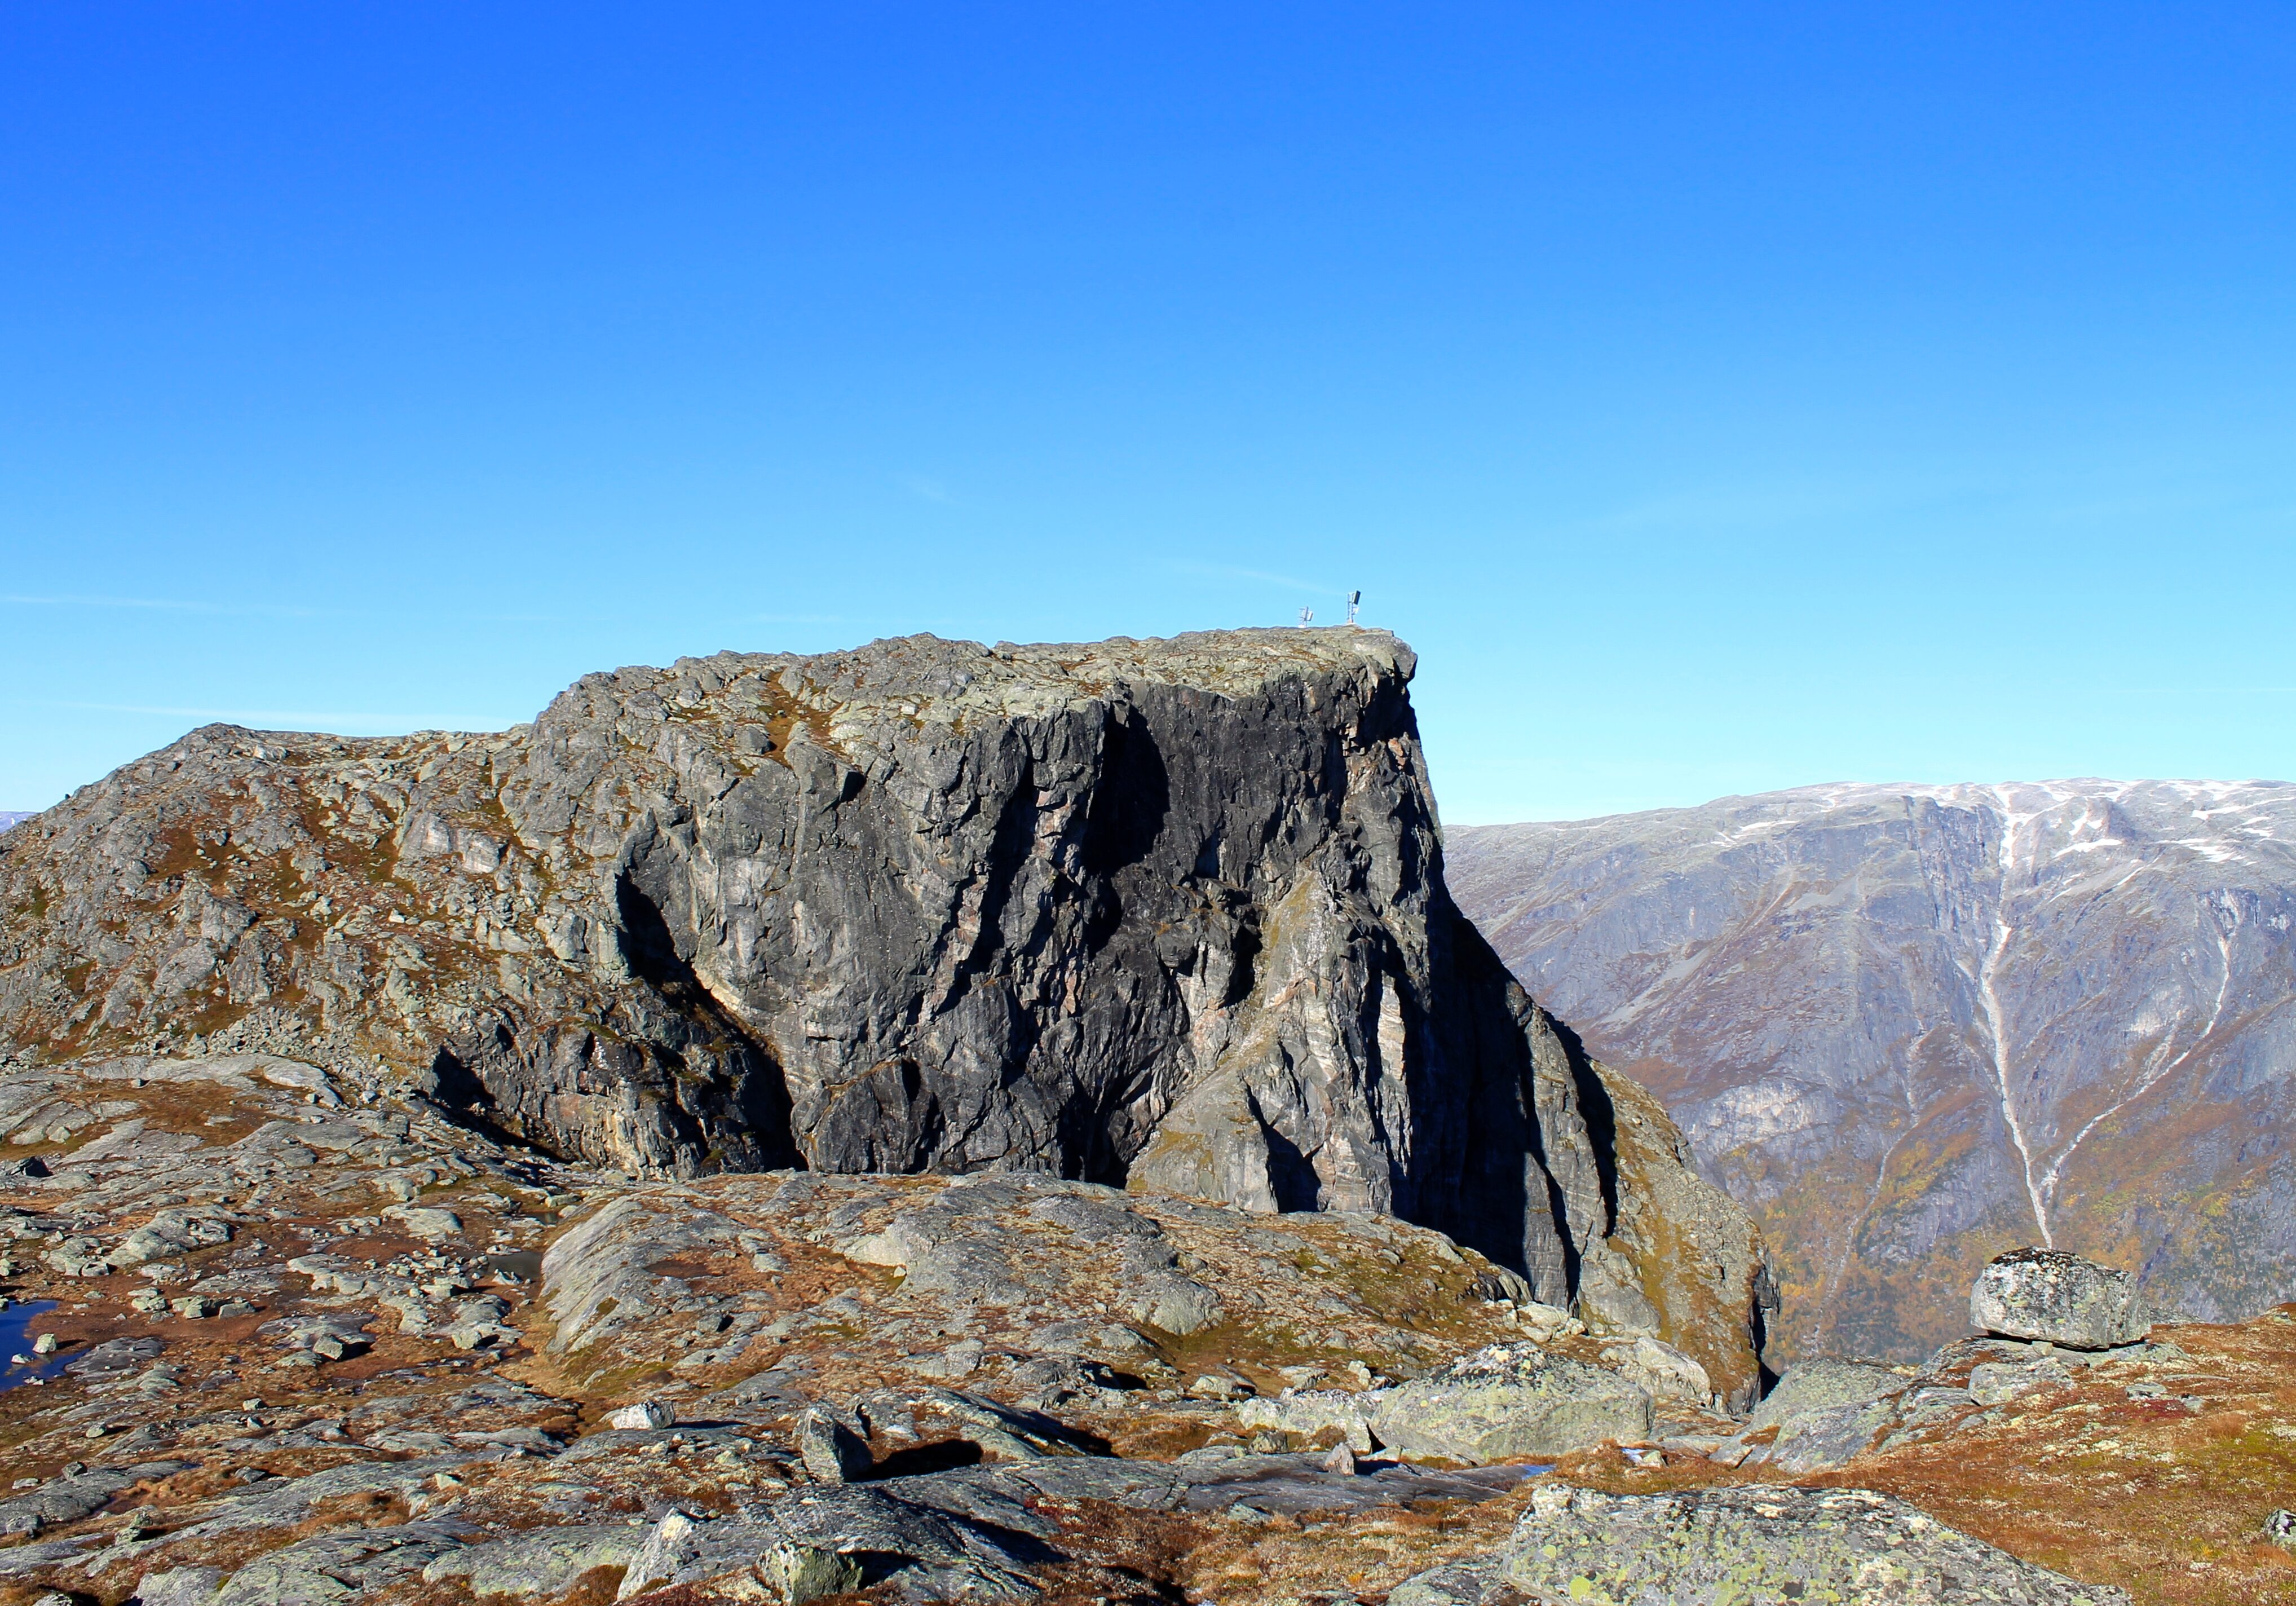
column 1753, row 1543
column 1165, row 914
column 2049, row 1294
column 1511, row 1400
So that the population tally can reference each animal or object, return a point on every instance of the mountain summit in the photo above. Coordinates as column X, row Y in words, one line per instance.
column 1164, row 915
column 1913, row 1026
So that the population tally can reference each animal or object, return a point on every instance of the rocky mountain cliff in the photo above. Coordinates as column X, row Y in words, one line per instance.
column 1912, row 1027
column 1168, row 914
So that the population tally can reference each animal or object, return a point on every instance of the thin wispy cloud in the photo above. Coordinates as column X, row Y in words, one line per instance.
column 300, row 719
column 160, row 605
column 1755, row 506
column 1292, row 582
column 927, row 490
column 2205, row 690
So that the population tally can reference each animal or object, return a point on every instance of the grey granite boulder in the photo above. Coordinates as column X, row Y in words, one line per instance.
column 1825, row 1411
column 1661, row 1369
column 645, row 1414
column 1997, row 1382
column 832, row 1452
column 179, row 1587
column 1821, row 1384
column 1821, row 1439
column 1312, row 1412
column 924, row 1551
column 1754, row 1543
column 795, row 1574
column 1511, row 1400
column 2049, row 1294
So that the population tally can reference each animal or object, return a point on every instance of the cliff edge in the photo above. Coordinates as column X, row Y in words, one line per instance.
column 1167, row 914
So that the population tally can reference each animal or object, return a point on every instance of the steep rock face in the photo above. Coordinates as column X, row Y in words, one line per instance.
column 1913, row 1028
column 1164, row 914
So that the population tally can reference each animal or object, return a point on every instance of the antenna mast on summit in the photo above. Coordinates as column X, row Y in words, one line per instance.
column 1354, row 598
column 1306, row 617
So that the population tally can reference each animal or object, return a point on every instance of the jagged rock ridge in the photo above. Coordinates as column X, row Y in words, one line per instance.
column 1165, row 913
column 1913, row 1026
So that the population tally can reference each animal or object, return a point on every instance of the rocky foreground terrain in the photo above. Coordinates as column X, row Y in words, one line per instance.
column 1912, row 1027
column 948, row 1123
column 284, row 1341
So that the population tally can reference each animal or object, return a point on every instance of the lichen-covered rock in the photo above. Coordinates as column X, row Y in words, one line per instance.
column 1511, row 1400
column 1820, row 1440
column 345, row 1565
column 1755, row 1542
column 1821, row 1384
column 1997, row 1382
column 1314, row 1412
column 673, row 1267
column 831, row 1451
column 2063, row 1298
column 981, row 1545
column 1661, row 1369
column 1168, row 914
column 645, row 1414
column 2280, row 1528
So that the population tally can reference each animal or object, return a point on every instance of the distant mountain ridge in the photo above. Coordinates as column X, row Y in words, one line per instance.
column 13, row 817
column 1911, row 1026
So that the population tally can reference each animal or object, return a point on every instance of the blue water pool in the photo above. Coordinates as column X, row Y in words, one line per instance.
column 15, row 1338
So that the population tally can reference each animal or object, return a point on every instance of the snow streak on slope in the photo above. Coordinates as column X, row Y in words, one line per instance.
column 1913, row 1025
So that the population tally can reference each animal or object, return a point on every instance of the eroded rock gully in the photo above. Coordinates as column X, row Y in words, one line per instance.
column 1159, row 914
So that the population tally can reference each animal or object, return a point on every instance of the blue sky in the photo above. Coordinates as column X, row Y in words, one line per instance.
column 1719, row 397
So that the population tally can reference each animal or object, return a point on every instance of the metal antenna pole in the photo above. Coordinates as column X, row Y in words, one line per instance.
column 1354, row 598
column 1306, row 617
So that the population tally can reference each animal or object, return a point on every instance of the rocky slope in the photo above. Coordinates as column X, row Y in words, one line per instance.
column 1913, row 1026
column 1169, row 915
column 281, row 1342
column 311, row 1345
